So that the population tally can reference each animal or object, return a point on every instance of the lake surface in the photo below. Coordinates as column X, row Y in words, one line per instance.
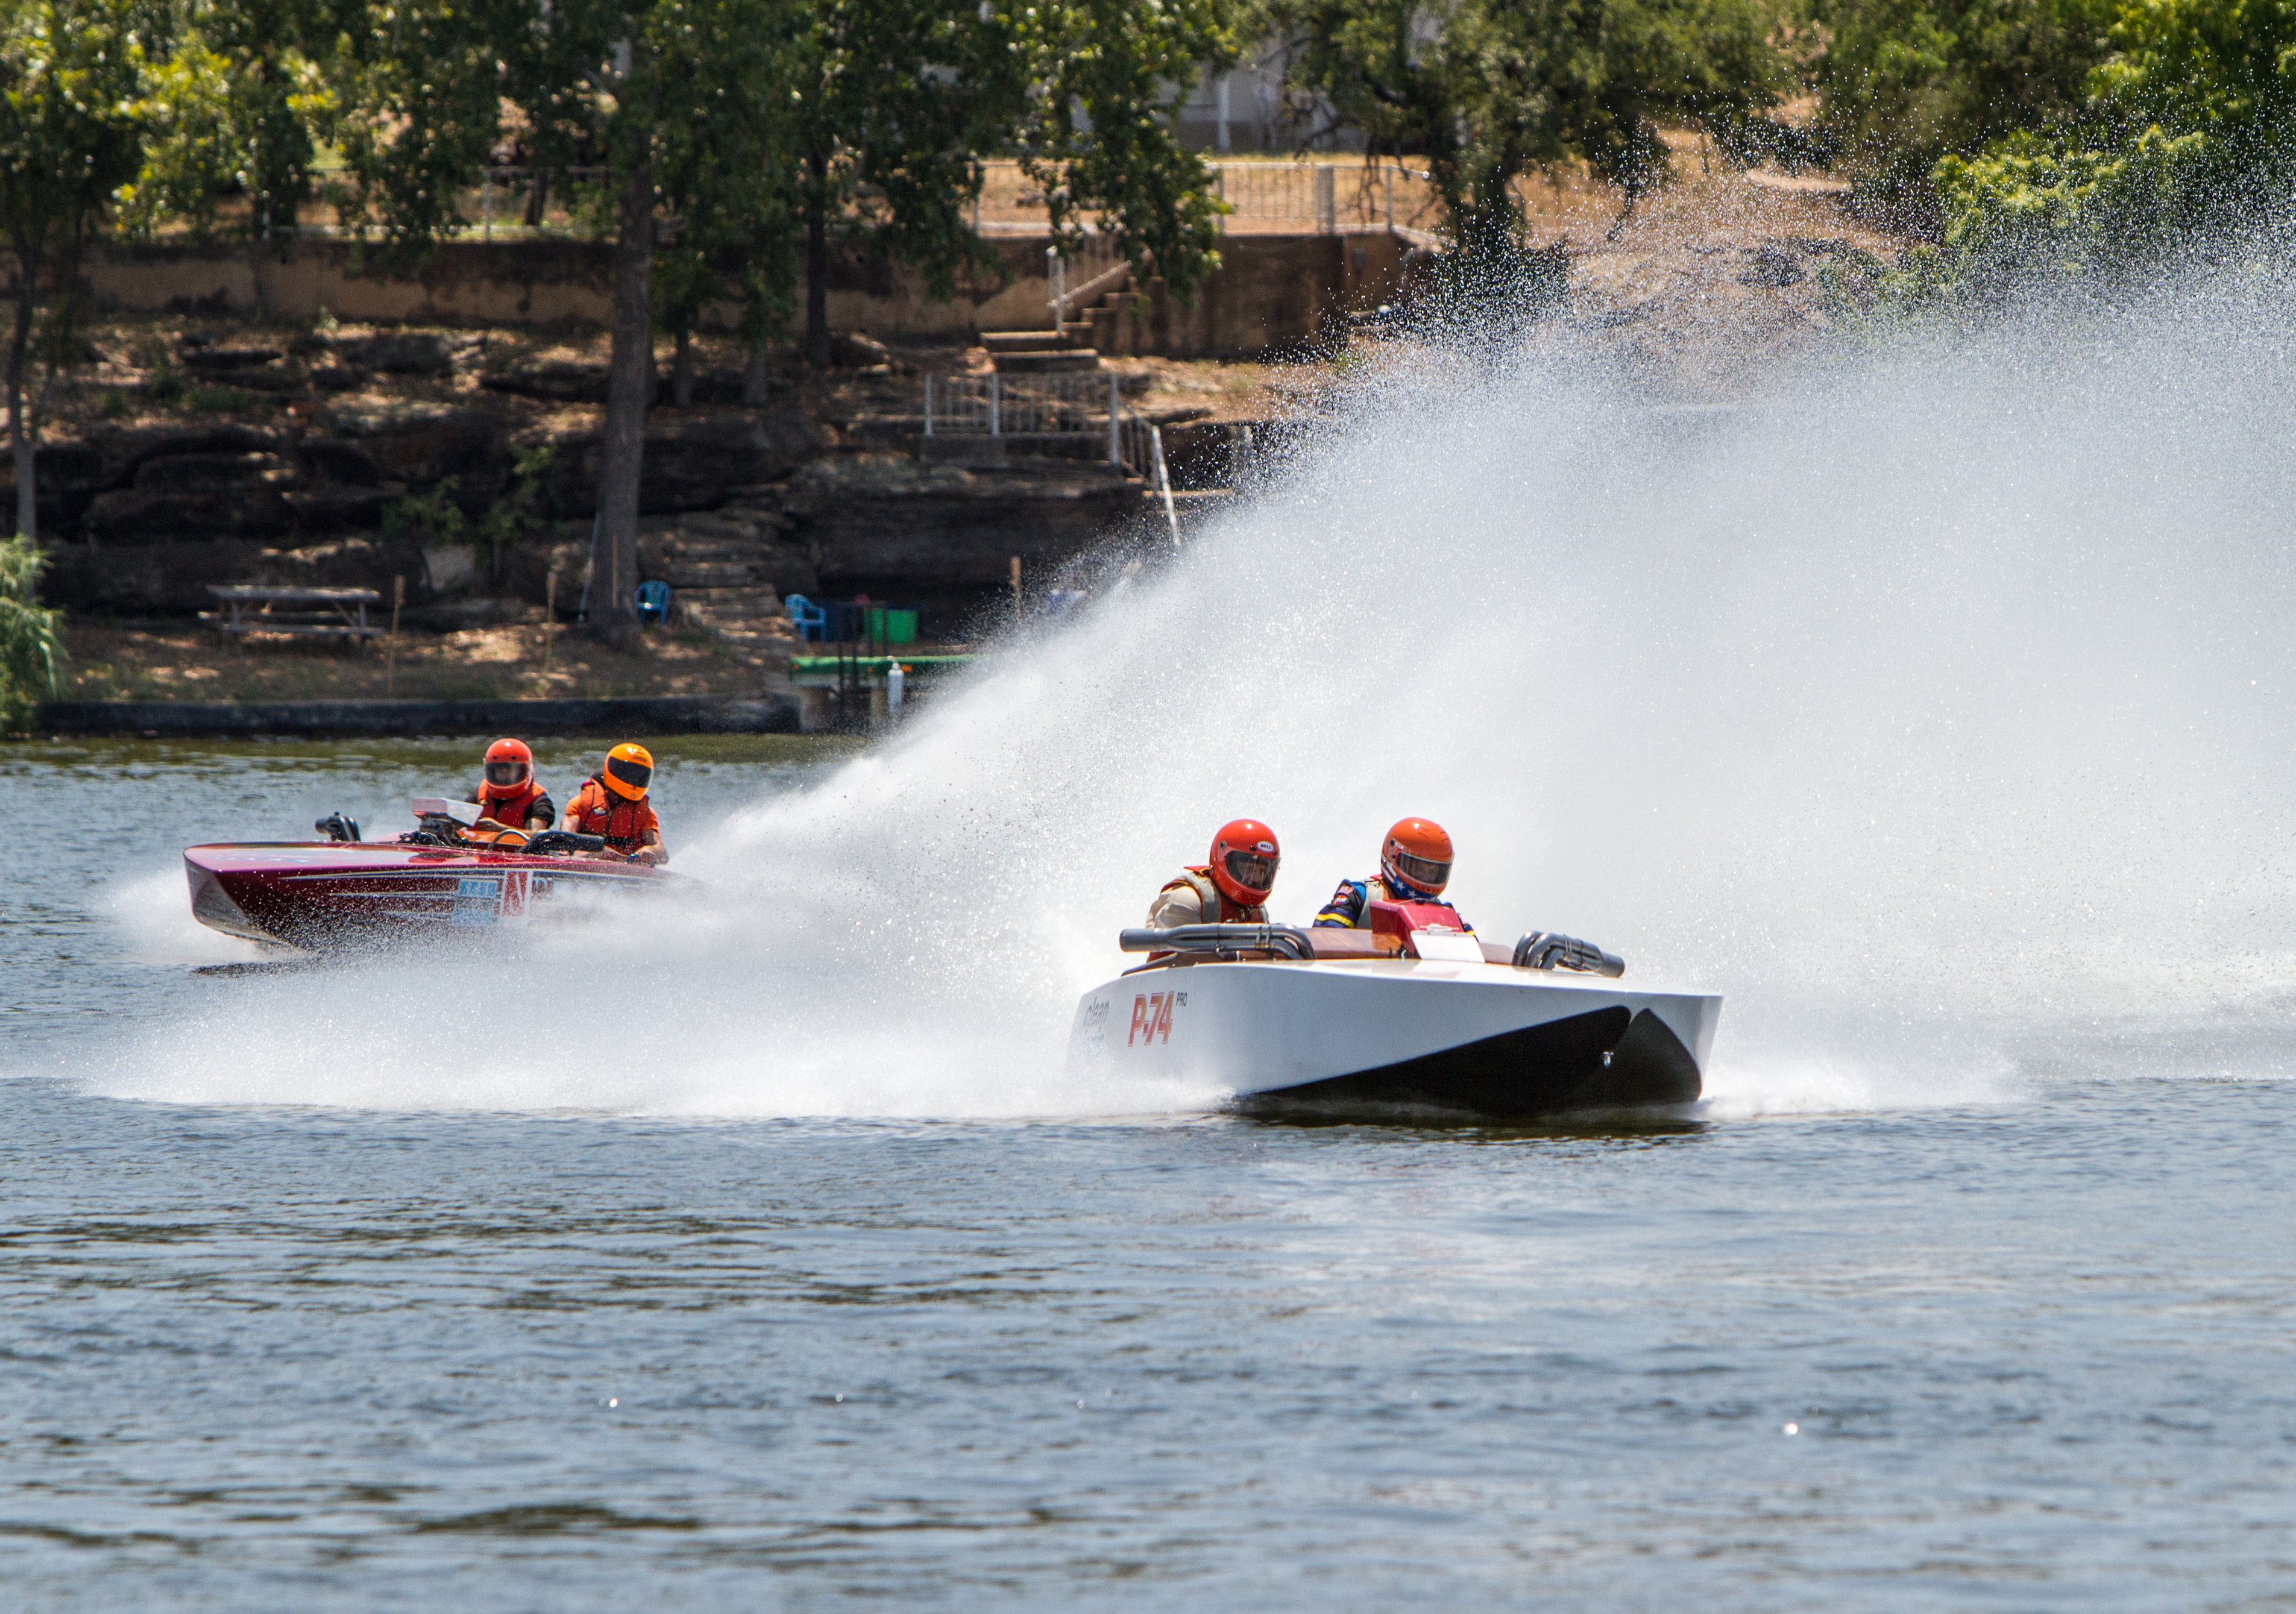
column 2032, row 1353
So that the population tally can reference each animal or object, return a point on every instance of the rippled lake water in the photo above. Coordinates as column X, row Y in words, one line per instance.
column 2032, row 1353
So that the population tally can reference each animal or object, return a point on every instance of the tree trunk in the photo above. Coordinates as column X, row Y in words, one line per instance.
column 20, row 442
column 681, row 371
column 816, row 262
column 756, row 383
column 629, row 388
column 537, row 196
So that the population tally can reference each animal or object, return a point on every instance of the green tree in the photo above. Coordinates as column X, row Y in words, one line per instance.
column 1486, row 90
column 238, row 97
column 723, row 120
column 430, row 88
column 897, row 102
column 1095, row 129
column 30, row 644
column 2189, row 127
column 1903, row 83
column 70, row 136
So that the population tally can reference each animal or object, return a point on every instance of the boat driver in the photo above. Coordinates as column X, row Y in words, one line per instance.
column 509, row 795
column 612, row 802
column 1414, row 866
column 1232, row 888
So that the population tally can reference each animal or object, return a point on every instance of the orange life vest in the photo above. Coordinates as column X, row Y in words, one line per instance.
column 513, row 809
column 598, row 811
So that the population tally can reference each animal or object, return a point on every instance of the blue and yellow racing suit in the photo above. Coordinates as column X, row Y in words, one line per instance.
column 1345, row 911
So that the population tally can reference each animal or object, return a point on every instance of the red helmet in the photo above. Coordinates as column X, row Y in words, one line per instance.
column 1244, row 856
column 1417, row 856
column 510, row 765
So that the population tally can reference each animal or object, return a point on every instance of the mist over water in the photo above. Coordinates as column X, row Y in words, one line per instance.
column 1934, row 706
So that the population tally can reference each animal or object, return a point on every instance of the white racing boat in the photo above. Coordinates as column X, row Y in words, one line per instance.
column 1410, row 1015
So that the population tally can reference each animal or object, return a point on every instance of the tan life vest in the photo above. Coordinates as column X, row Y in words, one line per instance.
column 1214, row 904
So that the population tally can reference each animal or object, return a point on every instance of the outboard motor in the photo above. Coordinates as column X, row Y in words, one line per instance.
column 1545, row 950
column 334, row 826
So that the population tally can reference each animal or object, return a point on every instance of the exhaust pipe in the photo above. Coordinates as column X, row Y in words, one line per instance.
column 1224, row 941
column 1545, row 950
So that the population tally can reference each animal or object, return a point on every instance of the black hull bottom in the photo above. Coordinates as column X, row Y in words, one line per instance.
column 1609, row 1060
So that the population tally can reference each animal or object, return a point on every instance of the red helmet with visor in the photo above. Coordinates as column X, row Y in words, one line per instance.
column 509, row 769
column 1417, row 856
column 1244, row 856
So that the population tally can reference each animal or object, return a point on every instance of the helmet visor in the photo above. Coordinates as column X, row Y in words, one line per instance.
column 1423, row 872
column 638, row 776
column 1251, row 871
column 506, row 771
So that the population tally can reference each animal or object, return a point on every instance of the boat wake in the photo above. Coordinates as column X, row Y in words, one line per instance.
column 1934, row 709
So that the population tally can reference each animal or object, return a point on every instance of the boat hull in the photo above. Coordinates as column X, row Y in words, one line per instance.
column 320, row 896
column 1399, row 1034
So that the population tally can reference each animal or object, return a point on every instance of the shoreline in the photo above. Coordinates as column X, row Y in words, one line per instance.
column 414, row 719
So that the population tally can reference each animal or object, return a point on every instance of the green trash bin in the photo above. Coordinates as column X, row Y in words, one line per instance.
column 889, row 627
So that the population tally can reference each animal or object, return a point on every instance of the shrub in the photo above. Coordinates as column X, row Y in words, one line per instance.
column 31, row 641
column 426, row 518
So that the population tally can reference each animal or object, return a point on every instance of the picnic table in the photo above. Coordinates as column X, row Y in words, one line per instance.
column 332, row 613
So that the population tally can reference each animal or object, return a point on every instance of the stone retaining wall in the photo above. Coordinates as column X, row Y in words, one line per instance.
column 1272, row 292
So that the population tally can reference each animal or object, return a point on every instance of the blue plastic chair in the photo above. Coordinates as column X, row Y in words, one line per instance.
column 809, row 619
column 653, row 601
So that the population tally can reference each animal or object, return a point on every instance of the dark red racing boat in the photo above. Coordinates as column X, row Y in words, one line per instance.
column 440, row 879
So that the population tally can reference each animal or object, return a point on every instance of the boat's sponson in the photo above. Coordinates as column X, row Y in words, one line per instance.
column 322, row 894
column 1375, row 1034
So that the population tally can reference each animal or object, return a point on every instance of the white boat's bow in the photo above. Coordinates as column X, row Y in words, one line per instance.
column 1423, row 1019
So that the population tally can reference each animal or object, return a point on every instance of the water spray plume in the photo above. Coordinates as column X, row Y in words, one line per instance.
column 1933, row 706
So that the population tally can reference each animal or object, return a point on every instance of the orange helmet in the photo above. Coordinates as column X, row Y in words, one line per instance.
column 628, row 770
column 1417, row 856
column 1244, row 856
column 510, row 768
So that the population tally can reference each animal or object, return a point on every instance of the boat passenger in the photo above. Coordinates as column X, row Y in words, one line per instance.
column 1232, row 888
column 509, row 795
column 612, row 802
column 1414, row 866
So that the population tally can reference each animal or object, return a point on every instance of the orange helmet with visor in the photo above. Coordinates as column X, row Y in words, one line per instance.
column 629, row 772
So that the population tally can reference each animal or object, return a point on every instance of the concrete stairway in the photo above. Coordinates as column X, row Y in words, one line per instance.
column 716, row 568
column 1107, row 323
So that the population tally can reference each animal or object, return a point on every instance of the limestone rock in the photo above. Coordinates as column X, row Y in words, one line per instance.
column 692, row 462
column 557, row 381
column 858, row 350
column 418, row 443
column 406, row 352
column 213, row 473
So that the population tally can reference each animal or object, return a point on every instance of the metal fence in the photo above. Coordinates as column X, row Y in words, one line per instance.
column 1072, row 406
column 1272, row 196
column 1285, row 197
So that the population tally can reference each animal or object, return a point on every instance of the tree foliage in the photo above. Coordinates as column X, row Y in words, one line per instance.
column 71, row 134
column 1906, row 82
column 1484, row 90
column 238, row 97
column 2188, row 130
column 30, row 641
